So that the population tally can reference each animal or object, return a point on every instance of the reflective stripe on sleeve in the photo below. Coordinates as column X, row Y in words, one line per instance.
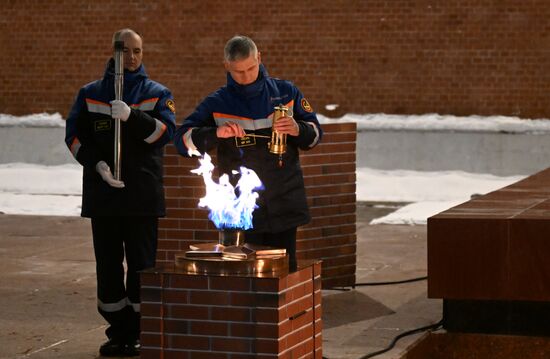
column 160, row 128
column 188, row 142
column 316, row 139
column 146, row 105
column 75, row 146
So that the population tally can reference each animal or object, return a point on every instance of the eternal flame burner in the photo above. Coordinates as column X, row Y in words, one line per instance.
column 231, row 255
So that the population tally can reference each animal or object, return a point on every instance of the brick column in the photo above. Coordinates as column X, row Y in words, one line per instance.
column 213, row 316
column 329, row 172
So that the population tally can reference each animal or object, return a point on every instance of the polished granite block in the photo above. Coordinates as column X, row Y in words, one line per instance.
column 495, row 246
column 443, row 345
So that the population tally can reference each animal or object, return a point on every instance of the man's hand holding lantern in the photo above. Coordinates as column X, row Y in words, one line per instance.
column 287, row 125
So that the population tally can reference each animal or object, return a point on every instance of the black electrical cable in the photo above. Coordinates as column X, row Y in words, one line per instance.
column 404, row 334
column 380, row 283
column 417, row 279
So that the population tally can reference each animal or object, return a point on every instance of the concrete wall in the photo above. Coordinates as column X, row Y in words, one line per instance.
column 477, row 152
column 40, row 145
column 502, row 154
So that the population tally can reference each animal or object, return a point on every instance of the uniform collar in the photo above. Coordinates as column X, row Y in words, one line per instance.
column 252, row 89
column 130, row 77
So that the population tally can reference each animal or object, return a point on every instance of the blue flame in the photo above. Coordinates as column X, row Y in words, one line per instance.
column 227, row 210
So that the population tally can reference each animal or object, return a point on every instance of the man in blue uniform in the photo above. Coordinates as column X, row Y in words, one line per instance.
column 124, row 213
column 230, row 117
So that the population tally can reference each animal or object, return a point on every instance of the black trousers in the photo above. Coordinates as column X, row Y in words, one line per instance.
column 116, row 239
column 285, row 239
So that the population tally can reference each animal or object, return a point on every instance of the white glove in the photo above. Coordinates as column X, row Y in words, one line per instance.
column 120, row 110
column 105, row 172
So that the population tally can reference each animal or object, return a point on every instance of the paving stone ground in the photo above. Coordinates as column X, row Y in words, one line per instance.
column 47, row 290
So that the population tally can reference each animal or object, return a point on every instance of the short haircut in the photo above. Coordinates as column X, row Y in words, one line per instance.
column 239, row 47
column 123, row 32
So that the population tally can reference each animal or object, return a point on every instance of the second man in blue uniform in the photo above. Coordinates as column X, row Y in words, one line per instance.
column 246, row 106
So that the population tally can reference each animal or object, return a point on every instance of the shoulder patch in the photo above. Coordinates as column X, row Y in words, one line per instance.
column 306, row 106
column 171, row 105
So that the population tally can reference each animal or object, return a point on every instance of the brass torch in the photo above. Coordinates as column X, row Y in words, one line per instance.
column 278, row 140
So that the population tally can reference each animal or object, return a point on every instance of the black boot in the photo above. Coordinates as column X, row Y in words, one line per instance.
column 111, row 348
column 132, row 348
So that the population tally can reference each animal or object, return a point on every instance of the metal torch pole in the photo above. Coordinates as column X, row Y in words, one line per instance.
column 119, row 83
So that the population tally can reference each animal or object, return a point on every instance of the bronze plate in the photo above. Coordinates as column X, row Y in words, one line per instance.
column 227, row 266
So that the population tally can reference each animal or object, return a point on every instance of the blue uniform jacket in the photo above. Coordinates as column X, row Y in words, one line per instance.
column 282, row 204
column 90, row 138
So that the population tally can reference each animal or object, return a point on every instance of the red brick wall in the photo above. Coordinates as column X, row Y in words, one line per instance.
column 209, row 316
column 399, row 56
column 329, row 172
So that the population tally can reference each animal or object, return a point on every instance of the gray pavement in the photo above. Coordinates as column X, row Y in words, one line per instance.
column 366, row 319
column 48, row 307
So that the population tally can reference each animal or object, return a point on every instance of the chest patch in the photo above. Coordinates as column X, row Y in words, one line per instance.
column 245, row 141
column 102, row 125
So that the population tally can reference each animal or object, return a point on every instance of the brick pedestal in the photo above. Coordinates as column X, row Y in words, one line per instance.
column 212, row 316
